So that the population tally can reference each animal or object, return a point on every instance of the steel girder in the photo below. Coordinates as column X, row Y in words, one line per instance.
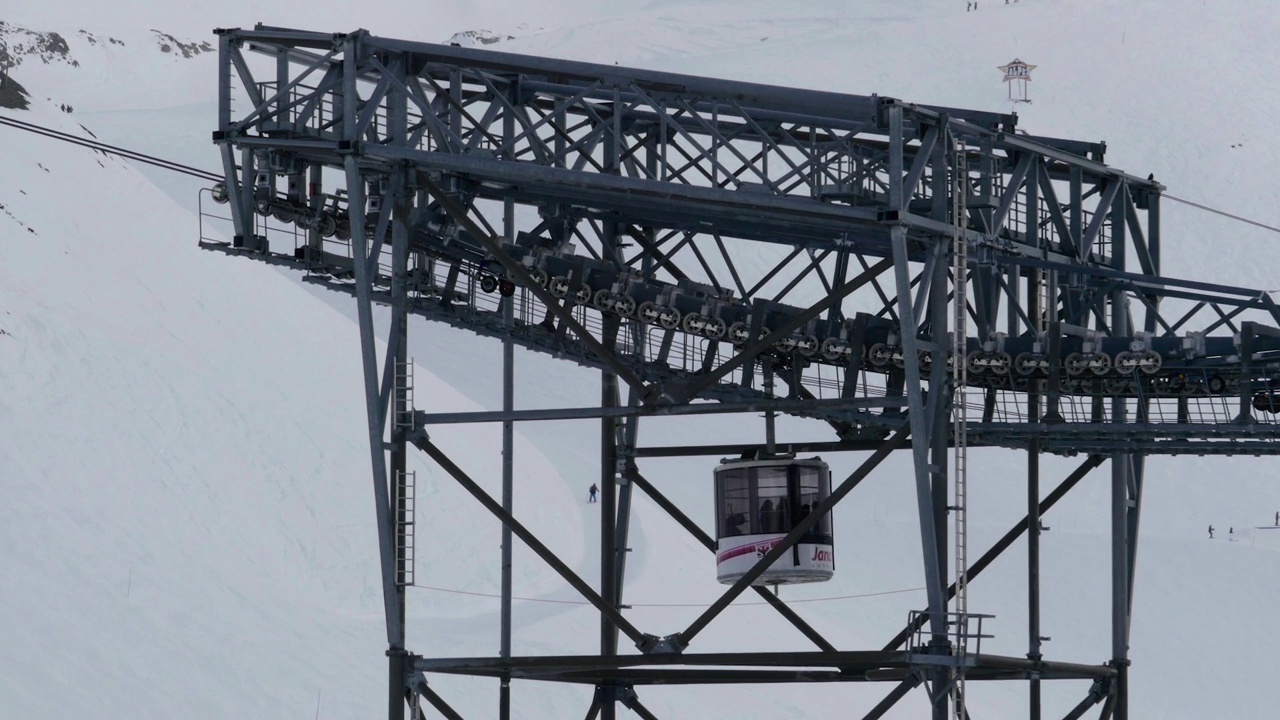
column 702, row 166
column 846, row 666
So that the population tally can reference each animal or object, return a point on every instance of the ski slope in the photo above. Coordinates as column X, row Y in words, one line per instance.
column 188, row 518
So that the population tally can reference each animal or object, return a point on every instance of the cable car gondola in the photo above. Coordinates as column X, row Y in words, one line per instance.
column 759, row 501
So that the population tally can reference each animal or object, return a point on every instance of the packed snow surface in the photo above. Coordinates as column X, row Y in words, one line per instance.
column 187, row 528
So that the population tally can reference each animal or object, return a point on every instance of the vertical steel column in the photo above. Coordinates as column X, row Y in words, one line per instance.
column 609, row 449
column 939, row 400
column 1075, row 225
column 248, row 222
column 315, row 201
column 1137, row 472
column 938, row 409
column 1121, row 470
column 402, row 200
column 770, row 417
column 242, row 224
column 608, row 532
column 1033, row 557
column 282, row 79
column 508, row 440
column 1120, row 581
column 392, row 596
column 224, row 80
column 1035, row 293
column 986, row 290
column 1139, row 460
column 364, row 313
column 1153, row 230
column 399, row 453
column 921, row 425
column 1153, row 250
column 630, row 431
column 626, row 435
column 942, row 189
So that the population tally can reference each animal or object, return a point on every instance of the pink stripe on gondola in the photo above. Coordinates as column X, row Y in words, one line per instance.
column 761, row 546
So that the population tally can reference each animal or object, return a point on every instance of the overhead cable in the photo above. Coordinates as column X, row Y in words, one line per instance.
column 1222, row 213
column 112, row 149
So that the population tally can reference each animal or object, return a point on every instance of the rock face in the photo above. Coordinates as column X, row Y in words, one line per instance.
column 472, row 38
column 12, row 95
column 18, row 43
column 170, row 44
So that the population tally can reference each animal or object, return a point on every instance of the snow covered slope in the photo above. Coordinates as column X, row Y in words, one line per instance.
column 187, row 514
column 188, row 520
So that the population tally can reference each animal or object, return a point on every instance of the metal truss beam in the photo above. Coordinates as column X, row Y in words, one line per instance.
column 844, row 666
column 711, row 408
column 1151, row 438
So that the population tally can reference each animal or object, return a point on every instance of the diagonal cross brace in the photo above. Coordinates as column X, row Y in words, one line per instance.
column 418, row 684
column 263, row 107
column 1002, row 544
column 520, row 531
column 1013, row 185
column 909, row 683
column 1094, row 231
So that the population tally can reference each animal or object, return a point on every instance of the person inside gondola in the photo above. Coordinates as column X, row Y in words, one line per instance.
column 733, row 523
column 767, row 517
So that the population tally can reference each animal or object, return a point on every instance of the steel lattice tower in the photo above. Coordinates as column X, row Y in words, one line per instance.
column 392, row 170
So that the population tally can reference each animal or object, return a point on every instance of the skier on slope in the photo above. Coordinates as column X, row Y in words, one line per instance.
column 1210, row 532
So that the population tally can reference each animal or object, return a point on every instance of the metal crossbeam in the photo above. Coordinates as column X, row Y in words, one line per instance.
column 844, row 666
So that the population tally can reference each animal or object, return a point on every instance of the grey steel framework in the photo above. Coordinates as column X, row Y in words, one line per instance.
column 604, row 214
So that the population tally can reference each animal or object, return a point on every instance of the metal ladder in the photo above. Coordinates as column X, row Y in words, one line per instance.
column 406, row 487
column 403, row 501
column 402, row 398
column 1046, row 303
column 959, row 422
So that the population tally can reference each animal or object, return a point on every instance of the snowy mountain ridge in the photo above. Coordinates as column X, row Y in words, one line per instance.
column 188, row 521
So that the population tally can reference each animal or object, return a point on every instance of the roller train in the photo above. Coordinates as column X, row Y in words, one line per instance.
column 1144, row 365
